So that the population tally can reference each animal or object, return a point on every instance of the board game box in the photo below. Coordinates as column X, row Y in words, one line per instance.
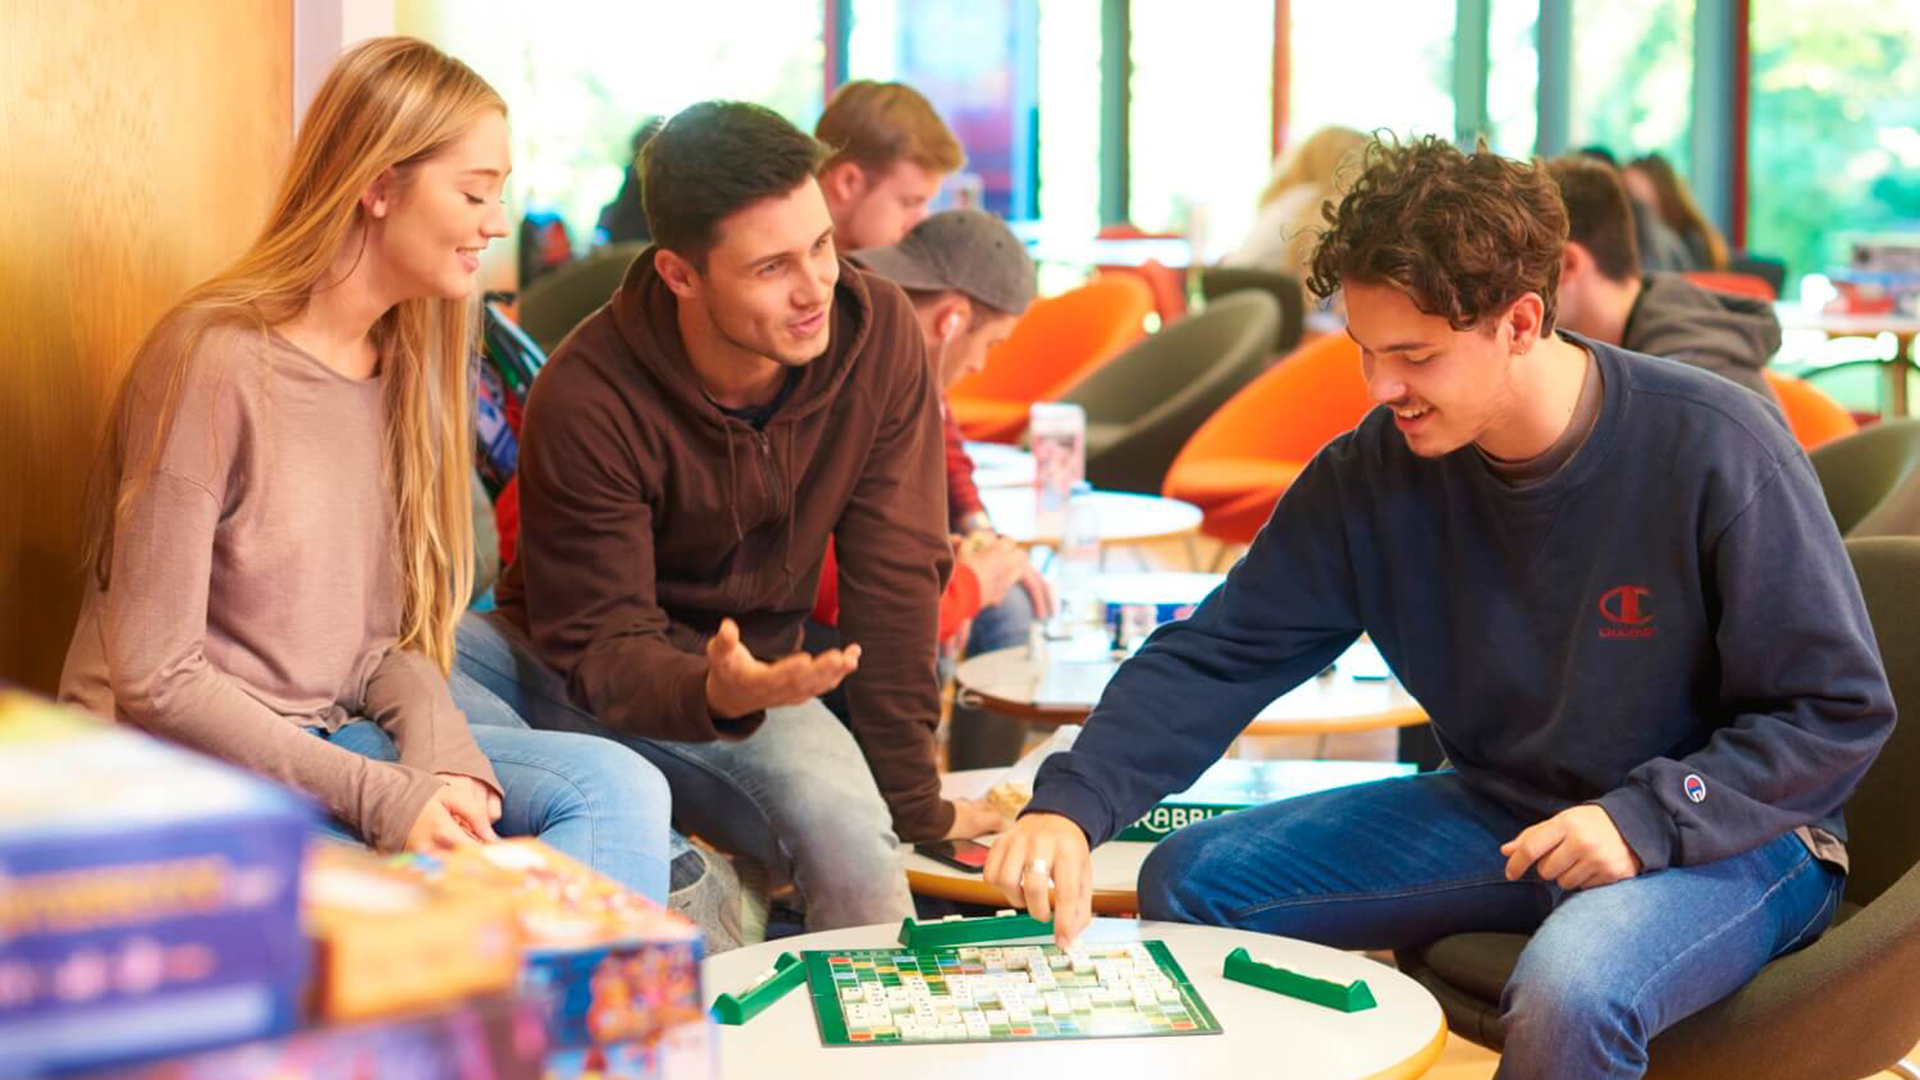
column 149, row 896
column 615, row 977
column 489, row 1038
column 386, row 942
column 1001, row 993
column 1235, row 784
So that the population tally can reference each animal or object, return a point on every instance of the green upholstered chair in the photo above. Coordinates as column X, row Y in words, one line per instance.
column 1842, row 1008
column 1861, row 471
column 1145, row 403
column 1219, row 281
column 556, row 303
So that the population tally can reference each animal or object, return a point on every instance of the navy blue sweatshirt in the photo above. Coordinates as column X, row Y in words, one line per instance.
column 1668, row 627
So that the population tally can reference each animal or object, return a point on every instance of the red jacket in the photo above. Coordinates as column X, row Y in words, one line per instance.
column 963, row 498
column 959, row 603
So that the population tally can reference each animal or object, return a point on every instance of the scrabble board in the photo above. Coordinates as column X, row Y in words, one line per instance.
column 1001, row 993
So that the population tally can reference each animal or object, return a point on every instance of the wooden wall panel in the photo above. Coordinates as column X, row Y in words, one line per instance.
column 141, row 144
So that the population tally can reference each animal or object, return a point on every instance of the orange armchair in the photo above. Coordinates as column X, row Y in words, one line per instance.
column 1813, row 417
column 1236, row 467
column 1059, row 341
column 1733, row 281
column 1169, row 285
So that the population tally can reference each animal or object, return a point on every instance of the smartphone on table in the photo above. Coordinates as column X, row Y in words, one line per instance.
column 960, row 854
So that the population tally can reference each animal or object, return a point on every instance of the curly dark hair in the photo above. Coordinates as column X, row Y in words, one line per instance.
column 713, row 159
column 1464, row 235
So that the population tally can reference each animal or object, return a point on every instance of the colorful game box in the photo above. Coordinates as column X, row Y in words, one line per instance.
column 149, row 896
column 386, row 942
column 1235, row 784
column 989, row 993
column 616, row 978
column 497, row 1038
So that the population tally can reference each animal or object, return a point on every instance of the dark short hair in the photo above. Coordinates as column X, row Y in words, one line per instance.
column 1599, row 217
column 712, row 160
column 1463, row 235
column 1599, row 153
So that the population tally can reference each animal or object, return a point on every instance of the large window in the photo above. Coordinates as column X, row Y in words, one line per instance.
column 1371, row 64
column 1069, row 116
column 1633, row 78
column 1835, row 144
column 974, row 60
column 581, row 77
column 1200, row 131
column 1513, row 77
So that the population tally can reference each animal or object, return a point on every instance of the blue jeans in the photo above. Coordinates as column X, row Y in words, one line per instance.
column 795, row 797
column 609, row 811
column 977, row 738
column 1406, row 861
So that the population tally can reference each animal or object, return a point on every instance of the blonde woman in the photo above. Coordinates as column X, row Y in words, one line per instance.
column 279, row 536
column 1290, row 221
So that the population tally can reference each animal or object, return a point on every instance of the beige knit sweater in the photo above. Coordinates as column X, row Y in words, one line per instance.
column 255, row 592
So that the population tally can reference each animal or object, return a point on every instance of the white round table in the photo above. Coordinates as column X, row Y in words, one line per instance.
column 1124, row 518
column 1264, row 1034
column 1064, row 686
column 1116, row 863
column 997, row 465
column 1904, row 328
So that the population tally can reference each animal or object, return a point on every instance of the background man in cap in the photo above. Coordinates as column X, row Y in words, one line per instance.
column 969, row 280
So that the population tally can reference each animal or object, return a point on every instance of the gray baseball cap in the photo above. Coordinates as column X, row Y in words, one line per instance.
column 970, row 252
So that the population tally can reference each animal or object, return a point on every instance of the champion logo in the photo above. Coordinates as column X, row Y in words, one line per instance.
column 1626, row 611
column 1695, row 787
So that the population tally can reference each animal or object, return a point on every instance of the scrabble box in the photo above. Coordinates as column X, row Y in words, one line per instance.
column 496, row 1038
column 1234, row 784
column 148, row 896
column 615, row 978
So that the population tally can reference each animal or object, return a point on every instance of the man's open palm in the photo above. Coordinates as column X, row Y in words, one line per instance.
column 739, row 683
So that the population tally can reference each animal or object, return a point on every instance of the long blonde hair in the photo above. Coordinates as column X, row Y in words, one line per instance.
column 388, row 103
column 1316, row 160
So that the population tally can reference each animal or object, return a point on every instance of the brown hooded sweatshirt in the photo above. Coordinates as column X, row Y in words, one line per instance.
column 649, row 515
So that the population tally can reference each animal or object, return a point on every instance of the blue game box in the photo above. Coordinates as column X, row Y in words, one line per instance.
column 148, row 896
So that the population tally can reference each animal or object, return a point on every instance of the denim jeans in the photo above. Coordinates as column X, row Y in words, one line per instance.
column 795, row 797
column 1405, row 861
column 978, row 738
column 608, row 811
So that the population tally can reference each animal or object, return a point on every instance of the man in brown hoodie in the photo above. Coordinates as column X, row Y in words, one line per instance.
column 685, row 456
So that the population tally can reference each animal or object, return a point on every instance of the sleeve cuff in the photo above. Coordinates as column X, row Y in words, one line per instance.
column 386, row 829
column 470, row 762
column 932, row 824
column 698, row 723
column 1643, row 823
column 1078, row 803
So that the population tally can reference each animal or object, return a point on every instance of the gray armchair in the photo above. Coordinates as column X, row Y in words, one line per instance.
column 1842, row 1008
column 1144, row 404
column 554, row 304
column 1861, row 472
column 1219, row 281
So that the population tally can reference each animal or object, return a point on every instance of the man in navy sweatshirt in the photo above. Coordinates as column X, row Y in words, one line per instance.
column 1614, row 584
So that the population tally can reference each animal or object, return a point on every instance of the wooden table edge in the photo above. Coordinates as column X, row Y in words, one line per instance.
column 969, row 891
column 1055, row 716
column 1404, row 716
column 1421, row 1062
